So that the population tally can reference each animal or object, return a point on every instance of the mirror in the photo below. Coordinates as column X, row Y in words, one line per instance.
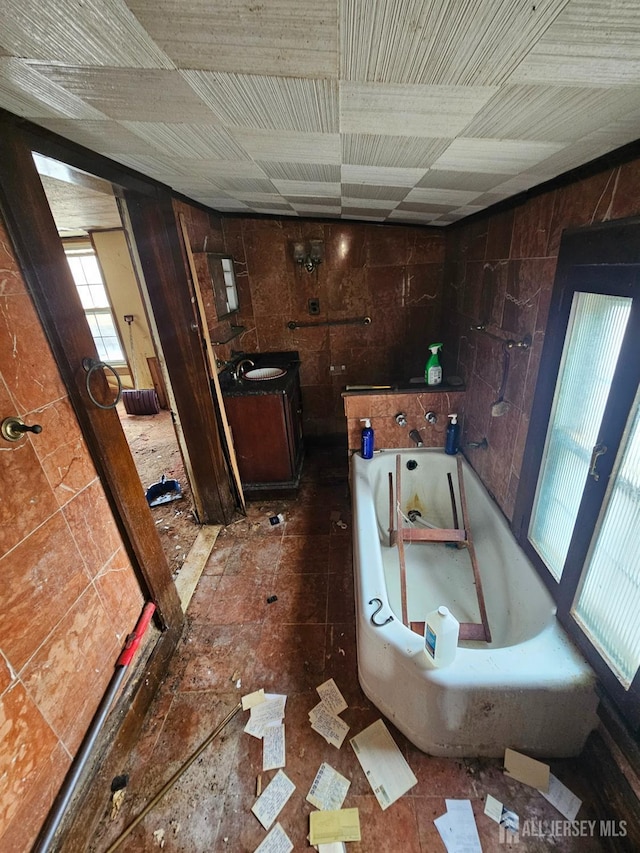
column 223, row 279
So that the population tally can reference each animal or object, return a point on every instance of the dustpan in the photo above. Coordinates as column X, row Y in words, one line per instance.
column 163, row 492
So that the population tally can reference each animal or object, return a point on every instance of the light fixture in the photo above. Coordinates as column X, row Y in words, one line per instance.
column 308, row 255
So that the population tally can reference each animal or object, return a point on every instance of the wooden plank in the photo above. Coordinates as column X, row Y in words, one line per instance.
column 403, row 569
column 444, row 534
column 472, row 554
column 211, row 361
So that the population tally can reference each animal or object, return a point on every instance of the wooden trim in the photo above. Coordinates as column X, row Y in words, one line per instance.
column 29, row 221
column 156, row 235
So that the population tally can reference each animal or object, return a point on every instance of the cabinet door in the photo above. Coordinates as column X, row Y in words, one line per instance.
column 293, row 414
column 260, row 437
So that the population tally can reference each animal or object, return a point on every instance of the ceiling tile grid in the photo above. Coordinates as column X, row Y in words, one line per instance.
column 417, row 111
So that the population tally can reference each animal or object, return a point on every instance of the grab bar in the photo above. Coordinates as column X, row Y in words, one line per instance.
column 509, row 343
column 376, row 611
column 353, row 321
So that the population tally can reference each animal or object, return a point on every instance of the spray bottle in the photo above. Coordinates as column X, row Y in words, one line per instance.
column 433, row 370
column 366, row 440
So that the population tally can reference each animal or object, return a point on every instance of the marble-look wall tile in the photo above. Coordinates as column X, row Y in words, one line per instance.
column 120, row 594
column 531, row 227
column 89, row 518
column 27, row 744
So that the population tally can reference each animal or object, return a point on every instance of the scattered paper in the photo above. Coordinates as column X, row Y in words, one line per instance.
column 457, row 828
column 562, row 798
column 273, row 748
column 334, row 847
column 341, row 825
column 526, row 770
column 332, row 728
column 329, row 789
column 273, row 799
column 331, row 697
column 267, row 713
column 276, row 842
column 384, row 765
column 505, row 817
column 253, row 699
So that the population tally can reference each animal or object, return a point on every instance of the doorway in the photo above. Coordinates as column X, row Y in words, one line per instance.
column 87, row 216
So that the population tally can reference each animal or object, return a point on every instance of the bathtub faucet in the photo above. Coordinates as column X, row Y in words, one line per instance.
column 414, row 435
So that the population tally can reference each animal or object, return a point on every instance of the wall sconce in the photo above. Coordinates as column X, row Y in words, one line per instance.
column 309, row 255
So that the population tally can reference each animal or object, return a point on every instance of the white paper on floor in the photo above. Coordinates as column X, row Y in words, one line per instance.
column 329, row 789
column 273, row 799
column 332, row 728
column 384, row 765
column 276, row 842
column 331, row 697
column 562, row 798
column 252, row 699
column 457, row 828
column 273, row 747
column 267, row 713
column 497, row 811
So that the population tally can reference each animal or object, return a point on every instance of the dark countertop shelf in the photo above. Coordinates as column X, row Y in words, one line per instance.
column 289, row 361
column 404, row 388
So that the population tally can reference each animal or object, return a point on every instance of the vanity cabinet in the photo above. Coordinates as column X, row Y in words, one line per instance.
column 266, row 425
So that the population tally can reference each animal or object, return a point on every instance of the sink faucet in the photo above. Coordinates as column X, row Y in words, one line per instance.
column 414, row 435
column 240, row 367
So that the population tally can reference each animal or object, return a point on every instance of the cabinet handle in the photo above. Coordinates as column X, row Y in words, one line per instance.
column 598, row 450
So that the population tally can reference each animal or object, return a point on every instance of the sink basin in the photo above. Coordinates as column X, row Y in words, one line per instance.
column 260, row 374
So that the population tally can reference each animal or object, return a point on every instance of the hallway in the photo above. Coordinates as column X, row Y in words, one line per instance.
column 236, row 642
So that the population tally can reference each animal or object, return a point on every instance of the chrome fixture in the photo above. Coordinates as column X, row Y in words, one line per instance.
column 14, row 428
column 431, row 417
column 478, row 445
column 401, row 419
column 239, row 369
column 414, row 435
column 309, row 254
column 509, row 343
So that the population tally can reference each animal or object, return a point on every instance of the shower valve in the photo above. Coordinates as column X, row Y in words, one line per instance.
column 401, row 419
column 430, row 417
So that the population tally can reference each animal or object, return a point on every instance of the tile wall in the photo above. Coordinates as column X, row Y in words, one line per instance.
column 68, row 595
column 500, row 271
column 389, row 273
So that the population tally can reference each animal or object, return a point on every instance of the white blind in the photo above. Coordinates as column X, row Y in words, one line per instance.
column 608, row 605
column 596, row 328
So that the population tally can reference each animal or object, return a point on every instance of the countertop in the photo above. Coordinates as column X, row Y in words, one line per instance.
column 289, row 361
column 403, row 388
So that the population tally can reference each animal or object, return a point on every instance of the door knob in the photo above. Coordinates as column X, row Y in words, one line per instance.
column 14, row 428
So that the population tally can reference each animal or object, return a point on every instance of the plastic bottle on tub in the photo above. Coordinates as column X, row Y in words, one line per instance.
column 441, row 630
column 366, row 440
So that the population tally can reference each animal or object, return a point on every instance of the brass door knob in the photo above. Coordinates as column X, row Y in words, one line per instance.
column 14, row 428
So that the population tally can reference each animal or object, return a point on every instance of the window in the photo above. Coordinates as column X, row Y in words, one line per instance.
column 578, row 508
column 93, row 295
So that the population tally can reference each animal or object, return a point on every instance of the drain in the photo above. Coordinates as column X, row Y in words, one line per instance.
column 412, row 465
column 413, row 514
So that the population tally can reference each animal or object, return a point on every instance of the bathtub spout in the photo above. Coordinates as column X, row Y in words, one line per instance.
column 414, row 435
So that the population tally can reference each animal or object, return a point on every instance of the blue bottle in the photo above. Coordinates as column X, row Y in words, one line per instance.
column 366, row 440
column 452, row 437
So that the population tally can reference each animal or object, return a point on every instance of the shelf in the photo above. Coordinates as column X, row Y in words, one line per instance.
column 224, row 335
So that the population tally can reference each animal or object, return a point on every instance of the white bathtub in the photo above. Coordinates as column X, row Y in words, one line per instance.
column 529, row 689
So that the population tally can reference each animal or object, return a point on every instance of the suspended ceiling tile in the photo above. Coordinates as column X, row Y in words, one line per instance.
column 129, row 94
column 592, row 43
column 417, row 207
column 329, row 173
column 517, row 184
column 431, row 111
column 313, row 210
column 272, row 207
column 363, row 214
column 550, row 113
column 189, row 141
column 449, row 180
column 283, row 145
column 91, row 32
column 223, row 203
column 369, row 191
column 314, row 201
column 308, row 188
column 288, row 37
column 433, row 195
column 365, row 149
column 30, row 94
column 380, row 175
column 495, row 155
column 251, row 198
column 372, row 203
column 413, row 41
column 238, row 186
column 156, row 166
column 215, row 169
column 106, row 137
column 271, row 103
column 412, row 216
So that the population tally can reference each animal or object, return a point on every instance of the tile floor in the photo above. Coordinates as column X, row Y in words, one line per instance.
column 291, row 646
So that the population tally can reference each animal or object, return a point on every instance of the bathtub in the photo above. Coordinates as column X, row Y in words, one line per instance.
column 528, row 689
